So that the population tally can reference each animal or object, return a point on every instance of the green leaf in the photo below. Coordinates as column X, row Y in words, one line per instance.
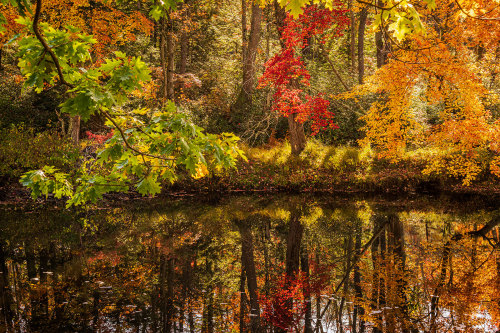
column 148, row 185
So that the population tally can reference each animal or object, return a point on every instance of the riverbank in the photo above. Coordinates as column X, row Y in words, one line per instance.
column 319, row 169
column 327, row 169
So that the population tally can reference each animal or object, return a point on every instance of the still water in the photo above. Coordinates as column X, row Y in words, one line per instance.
column 253, row 264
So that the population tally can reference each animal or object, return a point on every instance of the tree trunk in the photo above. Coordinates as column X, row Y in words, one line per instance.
column 296, row 129
column 74, row 127
column 167, row 58
column 163, row 59
column 297, row 134
column 184, row 40
column 382, row 44
column 170, row 60
column 250, row 44
column 184, row 52
column 251, row 50
column 279, row 16
column 244, row 32
column 363, row 15
column 352, row 36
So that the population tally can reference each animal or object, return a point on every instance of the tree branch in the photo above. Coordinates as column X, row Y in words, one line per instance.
column 481, row 17
column 377, row 6
column 127, row 144
column 46, row 47
column 325, row 54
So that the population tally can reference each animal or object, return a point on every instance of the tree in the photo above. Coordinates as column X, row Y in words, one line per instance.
column 147, row 146
column 287, row 73
column 249, row 53
column 445, row 69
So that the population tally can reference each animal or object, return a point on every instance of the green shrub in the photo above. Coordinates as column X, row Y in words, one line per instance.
column 18, row 106
column 21, row 150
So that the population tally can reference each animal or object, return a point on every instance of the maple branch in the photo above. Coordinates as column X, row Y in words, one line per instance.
column 48, row 50
column 481, row 17
column 46, row 47
column 127, row 144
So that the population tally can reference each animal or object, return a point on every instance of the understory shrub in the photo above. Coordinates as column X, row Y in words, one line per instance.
column 21, row 150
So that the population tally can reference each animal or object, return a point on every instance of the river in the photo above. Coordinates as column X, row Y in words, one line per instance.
column 253, row 264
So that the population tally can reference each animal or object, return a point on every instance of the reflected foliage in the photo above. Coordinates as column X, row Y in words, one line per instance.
column 270, row 264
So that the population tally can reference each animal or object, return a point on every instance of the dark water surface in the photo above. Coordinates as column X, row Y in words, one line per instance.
column 253, row 264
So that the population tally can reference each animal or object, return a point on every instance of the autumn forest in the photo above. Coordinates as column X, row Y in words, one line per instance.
column 253, row 166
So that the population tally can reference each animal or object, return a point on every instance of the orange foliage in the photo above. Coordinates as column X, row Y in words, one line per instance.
column 11, row 27
column 109, row 26
column 449, row 68
column 100, row 18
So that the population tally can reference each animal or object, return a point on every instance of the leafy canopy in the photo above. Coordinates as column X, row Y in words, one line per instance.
column 147, row 147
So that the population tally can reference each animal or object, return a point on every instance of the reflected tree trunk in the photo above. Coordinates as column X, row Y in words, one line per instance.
column 208, row 302
column 5, row 294
column 441, row 282
column 304, row 265
column 378, row 285
column 170, row 296
column 359, row 311
column 247, row 257
column 43, row 269
column 35, row 318
column 293, row 243
column 267, row 278
column 243, row 299
column 399, row 255
column 348, row 254
column 292, row 261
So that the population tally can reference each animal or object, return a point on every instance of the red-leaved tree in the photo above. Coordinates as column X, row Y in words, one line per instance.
column 288, row 75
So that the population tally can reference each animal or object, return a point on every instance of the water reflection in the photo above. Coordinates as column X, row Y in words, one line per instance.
column 280, row 264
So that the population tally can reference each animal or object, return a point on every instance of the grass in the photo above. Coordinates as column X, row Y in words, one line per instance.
column 326, row 168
